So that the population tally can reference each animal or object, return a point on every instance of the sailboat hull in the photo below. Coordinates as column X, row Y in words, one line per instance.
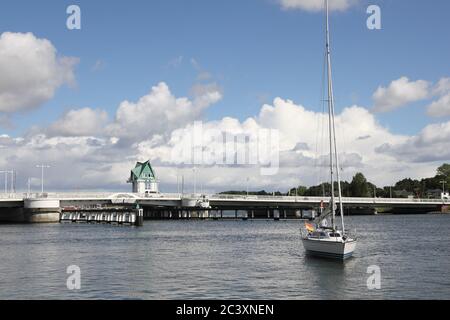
column 329, row 249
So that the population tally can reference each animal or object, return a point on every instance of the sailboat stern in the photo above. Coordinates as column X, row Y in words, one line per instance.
column 329, row 249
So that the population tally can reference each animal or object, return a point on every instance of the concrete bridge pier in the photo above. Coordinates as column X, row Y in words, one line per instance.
column 42, row 210
column 276, row 214
column 139, row 218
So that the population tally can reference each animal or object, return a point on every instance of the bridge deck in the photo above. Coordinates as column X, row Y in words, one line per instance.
column 173, row 199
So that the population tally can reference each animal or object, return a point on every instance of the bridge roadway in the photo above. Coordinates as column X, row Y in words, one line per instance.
column 216, row 201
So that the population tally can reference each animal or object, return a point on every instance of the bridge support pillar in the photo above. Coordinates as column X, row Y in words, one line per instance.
column 139, row 217
column 276, row 214
column 42, row 210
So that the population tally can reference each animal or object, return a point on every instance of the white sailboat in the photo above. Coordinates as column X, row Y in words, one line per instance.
column 321, row 238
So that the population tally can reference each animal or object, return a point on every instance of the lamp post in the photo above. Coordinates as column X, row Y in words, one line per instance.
column 42, row 166
column 195, row 181
column 6, row 181
column 247, row 185
column 29, row 186
column 7, row 172
column 443, row 185
column 178, row 181
column 13, row 181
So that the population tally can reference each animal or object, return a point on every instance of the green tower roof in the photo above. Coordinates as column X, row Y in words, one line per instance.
column 142, row 171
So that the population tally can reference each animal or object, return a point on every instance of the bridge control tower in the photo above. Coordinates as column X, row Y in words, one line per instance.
column 143, row 178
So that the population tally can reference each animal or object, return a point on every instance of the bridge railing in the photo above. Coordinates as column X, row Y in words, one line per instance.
column 324, row 199
column 11, row 196
column 214, row 197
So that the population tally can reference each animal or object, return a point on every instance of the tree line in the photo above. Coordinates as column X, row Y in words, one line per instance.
column 360, row 187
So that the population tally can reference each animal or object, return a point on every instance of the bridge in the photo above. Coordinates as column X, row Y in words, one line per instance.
column 49, row 206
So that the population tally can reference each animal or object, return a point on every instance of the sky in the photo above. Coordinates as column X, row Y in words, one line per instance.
column 133, row 81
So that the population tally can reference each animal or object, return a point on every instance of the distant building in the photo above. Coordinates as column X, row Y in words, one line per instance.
column 434, row 194
column 143, row 178
column 403, row 194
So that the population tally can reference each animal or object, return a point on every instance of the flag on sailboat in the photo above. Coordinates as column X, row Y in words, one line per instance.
column 309, row 227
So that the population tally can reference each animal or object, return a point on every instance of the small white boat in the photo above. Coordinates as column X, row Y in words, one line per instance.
column 329, row 244
column 321, row 240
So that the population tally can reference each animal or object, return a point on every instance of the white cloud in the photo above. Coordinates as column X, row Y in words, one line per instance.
column 431, row 144
column 440, row 108
column 81, row 122
column 298, row 126
column 76, row 162
column 317, row 5
column 399, row 93
column 442, row 87
column 30, row 71
column 160, row 112
column 157, row 124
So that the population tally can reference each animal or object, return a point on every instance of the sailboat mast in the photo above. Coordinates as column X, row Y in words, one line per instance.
column 332, row 129
column 330, row 120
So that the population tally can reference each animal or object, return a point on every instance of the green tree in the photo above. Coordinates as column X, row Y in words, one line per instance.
column 443, row 174
column 299, row 191
column 359, row 186
column 444, row 170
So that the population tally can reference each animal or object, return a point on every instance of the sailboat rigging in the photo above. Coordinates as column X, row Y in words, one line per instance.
column 321, row 239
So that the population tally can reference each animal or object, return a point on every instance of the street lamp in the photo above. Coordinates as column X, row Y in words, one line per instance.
column 7, row 172
column 443, row 185
column 195, row 181
column 29, row 186
column 178, row 180
column 42, row 166
column 247, row 185
column 6, row 180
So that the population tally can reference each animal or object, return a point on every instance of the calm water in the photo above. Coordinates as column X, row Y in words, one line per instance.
column 223, row 259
